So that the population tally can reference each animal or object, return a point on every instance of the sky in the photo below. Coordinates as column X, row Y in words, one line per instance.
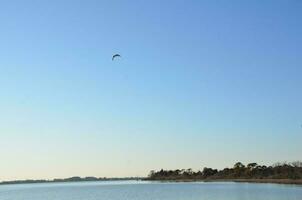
column 199, row 83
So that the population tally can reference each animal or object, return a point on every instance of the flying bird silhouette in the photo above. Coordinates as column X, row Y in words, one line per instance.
column 115, row 55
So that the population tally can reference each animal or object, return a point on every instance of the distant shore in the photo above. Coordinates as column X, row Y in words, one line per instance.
column 67, row 180
column 281, row 173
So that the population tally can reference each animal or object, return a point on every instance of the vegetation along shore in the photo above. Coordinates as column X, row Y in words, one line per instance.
column 71, row 179
column 284, row 173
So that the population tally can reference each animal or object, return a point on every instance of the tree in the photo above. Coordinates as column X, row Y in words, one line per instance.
column 208, row 172
column 151, row 173
column 252, row 165
column 238, row 165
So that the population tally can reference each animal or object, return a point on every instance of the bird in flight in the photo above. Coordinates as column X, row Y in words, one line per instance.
column 115, row 56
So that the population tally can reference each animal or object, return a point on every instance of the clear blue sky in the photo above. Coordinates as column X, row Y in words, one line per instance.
column 200, row 83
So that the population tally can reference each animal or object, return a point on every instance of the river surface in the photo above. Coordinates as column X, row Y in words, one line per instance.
column 144, row 190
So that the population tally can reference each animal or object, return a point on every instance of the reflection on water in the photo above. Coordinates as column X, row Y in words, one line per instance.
column 144, row 190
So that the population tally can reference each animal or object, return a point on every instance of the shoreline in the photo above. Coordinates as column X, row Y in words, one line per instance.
column 272, row 181
column 264, row 181
column 65, row 181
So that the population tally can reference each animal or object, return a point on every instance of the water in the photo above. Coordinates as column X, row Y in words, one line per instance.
column 143, row 190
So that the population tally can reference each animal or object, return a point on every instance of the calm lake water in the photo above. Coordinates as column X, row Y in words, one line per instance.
column 143, row 190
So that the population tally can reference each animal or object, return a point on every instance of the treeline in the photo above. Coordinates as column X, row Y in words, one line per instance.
column 284, row 170
column 71, row 179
